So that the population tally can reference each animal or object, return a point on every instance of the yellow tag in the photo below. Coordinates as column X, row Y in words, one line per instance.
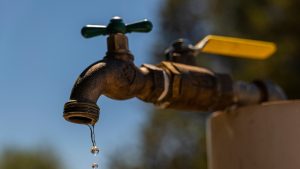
column 236, row 47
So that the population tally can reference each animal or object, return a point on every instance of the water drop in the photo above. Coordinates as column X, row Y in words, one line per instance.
column 95, row 150
column 95, row 165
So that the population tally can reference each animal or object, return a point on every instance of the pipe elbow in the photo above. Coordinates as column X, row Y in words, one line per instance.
column 82, row 107
column 90, row 83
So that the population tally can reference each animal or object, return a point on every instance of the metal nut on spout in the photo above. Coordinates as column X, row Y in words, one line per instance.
column 81, row 112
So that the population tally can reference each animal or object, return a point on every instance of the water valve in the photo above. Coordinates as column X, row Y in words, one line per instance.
column 116, row 25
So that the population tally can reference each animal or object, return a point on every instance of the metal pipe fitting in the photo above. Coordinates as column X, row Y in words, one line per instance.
column 258, row 91
column 167, row 85
column 195, row 89
column 116, row 77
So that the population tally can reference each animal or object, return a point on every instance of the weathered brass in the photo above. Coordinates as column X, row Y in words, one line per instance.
column 115, row 76
column 168, row 84
column 195, row 88
column 181, row 51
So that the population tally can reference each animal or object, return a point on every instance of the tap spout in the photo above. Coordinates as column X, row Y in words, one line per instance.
column 116, row 77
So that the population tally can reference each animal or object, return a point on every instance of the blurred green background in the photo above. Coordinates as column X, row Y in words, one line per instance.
column 170, row 139
column 176, row 140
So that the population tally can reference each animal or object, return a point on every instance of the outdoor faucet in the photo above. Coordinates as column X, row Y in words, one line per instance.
column 177, row 84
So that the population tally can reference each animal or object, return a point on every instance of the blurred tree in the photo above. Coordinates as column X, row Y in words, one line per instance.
column 170, row 140
column 273, row 20
column 270, row 20
column 29, row 159
column 175, row 140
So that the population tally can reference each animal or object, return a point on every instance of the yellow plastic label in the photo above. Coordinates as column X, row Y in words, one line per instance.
column 236, row 47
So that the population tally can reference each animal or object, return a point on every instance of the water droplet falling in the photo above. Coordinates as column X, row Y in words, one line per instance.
column 94, row 150
column 95, row 165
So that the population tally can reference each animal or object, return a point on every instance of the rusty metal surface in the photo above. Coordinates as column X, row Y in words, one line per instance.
column 115, row 76
column 196, row 89
column 256, row 137
column 181, row 51
column 168, row 84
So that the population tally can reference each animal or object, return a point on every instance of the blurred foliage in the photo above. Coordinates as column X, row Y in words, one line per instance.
column 270, row 20
column 170, row 140
column 29, row 159
column 176, row 140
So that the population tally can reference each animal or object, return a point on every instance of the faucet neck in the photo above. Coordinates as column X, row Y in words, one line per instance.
column 117, row 47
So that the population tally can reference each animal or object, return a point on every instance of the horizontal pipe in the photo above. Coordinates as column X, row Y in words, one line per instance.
column 167, row 85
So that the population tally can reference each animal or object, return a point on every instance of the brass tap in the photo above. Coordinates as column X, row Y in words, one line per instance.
column 181, row 85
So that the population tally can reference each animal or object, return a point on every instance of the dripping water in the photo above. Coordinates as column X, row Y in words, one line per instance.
column 94, row 150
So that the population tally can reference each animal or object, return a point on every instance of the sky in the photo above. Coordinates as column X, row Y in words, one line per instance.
column 41, row 55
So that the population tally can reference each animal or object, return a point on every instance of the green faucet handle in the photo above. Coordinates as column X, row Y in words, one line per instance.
column 116, row 25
